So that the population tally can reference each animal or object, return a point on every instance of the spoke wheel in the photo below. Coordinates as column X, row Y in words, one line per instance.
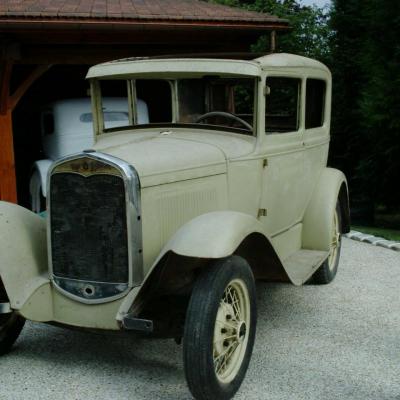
column 220, row 329
column 336, row 241
column 231, row 331
column 327, row 271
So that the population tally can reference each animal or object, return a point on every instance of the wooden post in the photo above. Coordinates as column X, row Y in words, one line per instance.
column 273, row 42
column 8, row 185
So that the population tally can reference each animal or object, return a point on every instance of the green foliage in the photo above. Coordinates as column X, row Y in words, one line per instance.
column 366, row 124
column 310, row 32
column 389, row 234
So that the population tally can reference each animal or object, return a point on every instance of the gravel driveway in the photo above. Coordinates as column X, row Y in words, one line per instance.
column 340, row 341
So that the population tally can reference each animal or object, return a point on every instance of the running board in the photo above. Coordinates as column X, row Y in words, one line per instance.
column 301, row 265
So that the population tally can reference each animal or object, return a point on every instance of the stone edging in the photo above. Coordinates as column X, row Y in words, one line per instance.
column 374, row 240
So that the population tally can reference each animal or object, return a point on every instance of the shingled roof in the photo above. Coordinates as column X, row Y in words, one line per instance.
column 130, row 11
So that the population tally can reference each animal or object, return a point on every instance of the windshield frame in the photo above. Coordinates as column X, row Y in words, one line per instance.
column 97, row 111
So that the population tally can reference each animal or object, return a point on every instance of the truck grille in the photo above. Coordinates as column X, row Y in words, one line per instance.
column 89, row 231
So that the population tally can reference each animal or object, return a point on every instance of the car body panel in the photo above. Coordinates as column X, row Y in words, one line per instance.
column 23, row 266
column 177, row 158
column 318, row 216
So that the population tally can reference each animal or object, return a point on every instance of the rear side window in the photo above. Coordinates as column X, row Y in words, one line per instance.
column 282, row 105
column 108, row 116
column 315, row 103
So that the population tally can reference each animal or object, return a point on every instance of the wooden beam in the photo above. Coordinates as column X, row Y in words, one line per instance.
column 8, row 189
column 26, row 84
column 5, row 75
column 273, row 42
column 8, row 186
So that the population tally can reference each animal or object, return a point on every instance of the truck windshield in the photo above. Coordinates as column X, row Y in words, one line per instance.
column 209, row 102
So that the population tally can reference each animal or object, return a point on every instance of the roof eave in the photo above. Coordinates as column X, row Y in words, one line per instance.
column 10, row 23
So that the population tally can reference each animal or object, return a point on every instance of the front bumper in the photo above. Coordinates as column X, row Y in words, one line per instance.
column 47, row 304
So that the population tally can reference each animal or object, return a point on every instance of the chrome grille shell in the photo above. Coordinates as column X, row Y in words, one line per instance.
column 91, row 164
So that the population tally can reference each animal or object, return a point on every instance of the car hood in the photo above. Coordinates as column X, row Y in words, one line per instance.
column 165, row 156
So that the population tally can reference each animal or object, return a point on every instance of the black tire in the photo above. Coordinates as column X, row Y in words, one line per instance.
column 199, row 350
column 10, row 326
column 328, row 270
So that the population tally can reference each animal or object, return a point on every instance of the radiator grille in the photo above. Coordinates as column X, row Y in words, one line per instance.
column 89, row 238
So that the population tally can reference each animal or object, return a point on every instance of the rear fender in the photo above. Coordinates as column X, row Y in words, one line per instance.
column 318, row 218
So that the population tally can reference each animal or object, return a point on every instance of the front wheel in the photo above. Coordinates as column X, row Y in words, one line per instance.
column 11, row 325
column 220, row 329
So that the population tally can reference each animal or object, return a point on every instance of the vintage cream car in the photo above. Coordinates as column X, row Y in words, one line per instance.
column 162, row 228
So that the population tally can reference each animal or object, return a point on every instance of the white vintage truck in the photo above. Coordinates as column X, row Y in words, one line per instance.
column 161, row 228
column 66, row 128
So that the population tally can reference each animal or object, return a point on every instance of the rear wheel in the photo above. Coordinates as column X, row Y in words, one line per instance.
column 220, row 329
column 11, row 325
column 327, row 272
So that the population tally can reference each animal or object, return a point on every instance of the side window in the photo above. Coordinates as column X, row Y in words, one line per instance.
column 282, row 104
column 47, row 124
column 156, row 93
column 315, row 103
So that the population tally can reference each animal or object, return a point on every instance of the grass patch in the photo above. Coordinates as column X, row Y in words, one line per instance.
column 389, row 234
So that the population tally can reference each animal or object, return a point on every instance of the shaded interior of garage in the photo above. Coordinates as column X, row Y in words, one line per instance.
column 45, row 53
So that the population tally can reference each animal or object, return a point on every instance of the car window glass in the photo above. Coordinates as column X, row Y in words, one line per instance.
column 108, row 116
column 282, row 105
column 214, row 101
column 157, row 95
column 115, row 104
column 315, row 103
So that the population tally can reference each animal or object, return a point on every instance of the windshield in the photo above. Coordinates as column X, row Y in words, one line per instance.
column 210, row 102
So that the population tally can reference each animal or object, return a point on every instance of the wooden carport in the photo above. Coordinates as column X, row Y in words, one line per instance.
column 36, row 34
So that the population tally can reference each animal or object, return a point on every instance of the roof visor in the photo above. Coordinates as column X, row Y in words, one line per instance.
column 165, row 68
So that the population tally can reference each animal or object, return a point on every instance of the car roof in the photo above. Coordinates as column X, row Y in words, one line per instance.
column 165, row 67
column 286, row 60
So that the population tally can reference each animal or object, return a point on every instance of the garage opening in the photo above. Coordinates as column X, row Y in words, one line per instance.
column 29, row 118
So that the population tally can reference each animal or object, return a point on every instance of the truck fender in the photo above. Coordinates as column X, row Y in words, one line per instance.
column 23, row 253
column 318, row 218
column 41, row 167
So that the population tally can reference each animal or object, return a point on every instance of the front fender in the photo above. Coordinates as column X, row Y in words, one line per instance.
column 213, row 235
column 42, row 167
column 318, row 218
column 23, row 253
column 209, row 236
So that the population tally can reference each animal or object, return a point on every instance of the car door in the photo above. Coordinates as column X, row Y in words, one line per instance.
column 283, row 195
column 317, row 123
